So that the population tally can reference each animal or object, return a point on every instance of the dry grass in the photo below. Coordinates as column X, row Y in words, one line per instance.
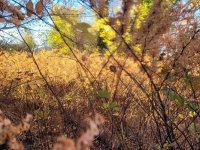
column 19, row 75
column 130, row 122
column 23, row 87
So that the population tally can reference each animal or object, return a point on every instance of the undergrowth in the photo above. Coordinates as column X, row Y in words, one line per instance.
column 104, row 88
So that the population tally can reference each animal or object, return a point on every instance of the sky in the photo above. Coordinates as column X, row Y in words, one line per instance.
column 39, row 28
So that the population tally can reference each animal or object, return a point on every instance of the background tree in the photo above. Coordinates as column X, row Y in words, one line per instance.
column 78, row 34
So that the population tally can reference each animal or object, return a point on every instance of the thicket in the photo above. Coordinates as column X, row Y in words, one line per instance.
column 146, row 85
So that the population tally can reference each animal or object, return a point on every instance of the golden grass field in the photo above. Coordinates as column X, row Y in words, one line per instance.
column 19, row 72
column 126, row 109
column 23, row 90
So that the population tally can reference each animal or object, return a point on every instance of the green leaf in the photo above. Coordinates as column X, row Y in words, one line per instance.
column 169, row 92
column 114, row 106
column 188, row 70
column 191, row 106
column 104, row 94
column 191, row 79
column 173, row 95
column 192, row 126
column 180, row 100
column 111, row 106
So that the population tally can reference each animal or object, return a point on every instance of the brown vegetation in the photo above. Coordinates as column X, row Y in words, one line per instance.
column 146, row 85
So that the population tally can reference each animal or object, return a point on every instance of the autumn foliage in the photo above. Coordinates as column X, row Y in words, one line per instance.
column 144, row 82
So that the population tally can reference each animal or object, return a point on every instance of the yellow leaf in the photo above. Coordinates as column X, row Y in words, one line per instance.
column 192, row 114
column 137, row 48
column 180, row 116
